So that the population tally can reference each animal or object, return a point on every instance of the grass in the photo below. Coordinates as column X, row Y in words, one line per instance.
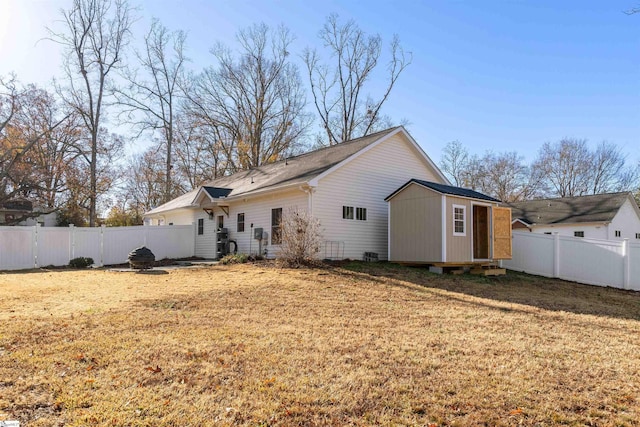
column 360, row 344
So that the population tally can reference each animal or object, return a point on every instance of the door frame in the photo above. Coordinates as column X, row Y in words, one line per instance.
column 489, row 207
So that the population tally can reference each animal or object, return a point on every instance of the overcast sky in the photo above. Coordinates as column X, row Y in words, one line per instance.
column 495, row 75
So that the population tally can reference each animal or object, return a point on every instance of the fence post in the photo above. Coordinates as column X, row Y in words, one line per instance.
column 72, row 242
column 102, row 227
column 625, row 264
column 556, row 254
column 34, row 245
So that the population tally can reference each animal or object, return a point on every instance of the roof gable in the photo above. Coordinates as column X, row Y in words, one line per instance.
column 445, row 189
column 568, row 210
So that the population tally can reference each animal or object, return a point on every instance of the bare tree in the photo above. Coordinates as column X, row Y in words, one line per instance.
column 33, row 134
column 566, row 165
column 95, row 34
column 154, row 90
column 143, row 181
column 610, row 172
column 253, row 106
column 344, row 109
column 572, row 169
column 455, row 158
column 198, row 155
column 508, row 178
column 504, row 176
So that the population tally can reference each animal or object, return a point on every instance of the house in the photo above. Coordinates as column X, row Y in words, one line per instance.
column 611, row 216
column 343, row 186
column 434, row 223
column 13, row 209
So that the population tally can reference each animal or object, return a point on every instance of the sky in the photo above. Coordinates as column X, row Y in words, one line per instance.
column 494, row 75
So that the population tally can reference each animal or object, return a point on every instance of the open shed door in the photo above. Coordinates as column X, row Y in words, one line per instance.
column 501, row 232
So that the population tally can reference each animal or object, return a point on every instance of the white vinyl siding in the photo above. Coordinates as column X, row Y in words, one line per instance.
column 365, row 182
column 206, row 243
column 257, row 212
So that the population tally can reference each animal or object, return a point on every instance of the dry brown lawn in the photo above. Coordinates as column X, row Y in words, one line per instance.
column 360, row 344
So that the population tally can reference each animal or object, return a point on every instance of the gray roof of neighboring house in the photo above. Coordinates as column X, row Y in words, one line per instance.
column 294, row 170
column 568, row 210
column 446, row 189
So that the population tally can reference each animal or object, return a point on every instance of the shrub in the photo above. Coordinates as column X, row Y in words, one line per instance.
column 81, row 262
column 234, row 259
column 301, row 239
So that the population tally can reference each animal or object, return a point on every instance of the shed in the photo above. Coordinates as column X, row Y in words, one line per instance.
column 432, row 223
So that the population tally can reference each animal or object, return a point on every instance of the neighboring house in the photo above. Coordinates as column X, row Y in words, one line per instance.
column 13, row 209
column 612, row 216
column 431, row 222
column 343, row 186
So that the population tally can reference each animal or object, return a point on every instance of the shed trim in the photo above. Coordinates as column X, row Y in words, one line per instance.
column 389, row 231
column 443, row 222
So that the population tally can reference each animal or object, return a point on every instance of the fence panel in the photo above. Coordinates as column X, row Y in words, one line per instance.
column 590, row 261
column 171, row 241
column 532, row 253
column 54, row 246
column 86, row 243
column 119, row 241
column 634, row 266
column 17, row 248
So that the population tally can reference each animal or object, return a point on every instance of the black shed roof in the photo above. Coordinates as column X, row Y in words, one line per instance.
column 446, row 189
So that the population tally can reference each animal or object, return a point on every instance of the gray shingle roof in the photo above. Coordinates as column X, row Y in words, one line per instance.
column 568, row 210
column 294, row 170
column 446, row 189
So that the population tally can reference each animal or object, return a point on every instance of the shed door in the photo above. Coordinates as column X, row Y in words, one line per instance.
column 501, row 233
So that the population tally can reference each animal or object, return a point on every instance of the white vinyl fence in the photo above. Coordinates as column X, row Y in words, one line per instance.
column 32, row 247
column 594, row 262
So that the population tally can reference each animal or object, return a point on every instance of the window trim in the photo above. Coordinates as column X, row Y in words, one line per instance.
column 238, row 222
column 463, row 220
column 361, row 211
column 276, row 229
column 200, row 226
column 348, row 212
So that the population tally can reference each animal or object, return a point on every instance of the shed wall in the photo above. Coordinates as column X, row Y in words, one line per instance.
column 459, row 248
column 415, row 225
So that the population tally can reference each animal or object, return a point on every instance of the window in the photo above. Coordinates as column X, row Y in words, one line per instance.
column 240, row 222
column 220, row 222
column 637, row 235
column 459, row 228
column 361, row 214
column 578, row 234
column 347, row 212
column 276, row 221
column 200, row 227
column 547, row 232
column 618, row 233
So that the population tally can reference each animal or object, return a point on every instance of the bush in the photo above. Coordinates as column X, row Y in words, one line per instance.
column 301, row 239
column 234, row 259
column 81, row 262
